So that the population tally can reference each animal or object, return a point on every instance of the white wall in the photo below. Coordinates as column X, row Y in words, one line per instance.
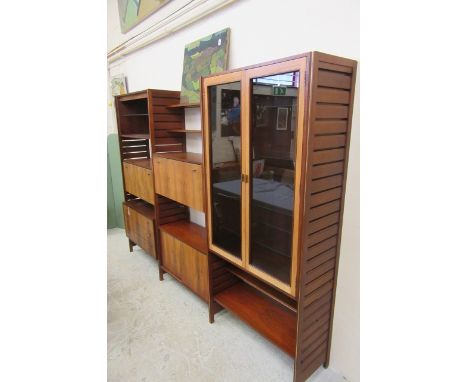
column 263, row 30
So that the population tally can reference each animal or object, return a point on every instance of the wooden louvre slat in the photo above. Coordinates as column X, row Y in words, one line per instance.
column 320, row 270
column 319, row 352
column 317, row 225
column 329, row 142
column 327, row 169
column 327, row 156
column 317, row 330
column 320, row 259
column 334, row 79
column 311, row 350
column 322, row 235
column 335, row 67
column 327, row 183
column 314, row 296
column 309, row 334
column 331, row 111
column 329, row 95
column 168, row 118
column 321, row 306
column 165, row 110
column 325, row 209
column 323, row 246
column 313, row 285
column 325, row 196
column 330, row 127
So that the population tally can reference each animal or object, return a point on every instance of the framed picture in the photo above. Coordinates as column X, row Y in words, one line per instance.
column 230, row 113
column 282, row 118
column 118, row 85
column 202, row 57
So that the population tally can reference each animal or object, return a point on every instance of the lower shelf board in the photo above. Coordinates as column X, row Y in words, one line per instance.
column 268, row 317
column 141, row 207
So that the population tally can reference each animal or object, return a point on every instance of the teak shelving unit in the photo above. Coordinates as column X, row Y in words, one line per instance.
column 271, row 181
column 274, row 204
column 144, row 124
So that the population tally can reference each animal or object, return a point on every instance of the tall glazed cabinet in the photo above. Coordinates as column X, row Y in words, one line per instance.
column 276, row 139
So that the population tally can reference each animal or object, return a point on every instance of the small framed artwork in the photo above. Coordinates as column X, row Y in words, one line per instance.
column 282, row 118
column 118, row 85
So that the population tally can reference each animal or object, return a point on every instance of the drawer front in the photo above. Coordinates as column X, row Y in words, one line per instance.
column 186, row 263
column 179, row 181
column 140, row 230
column 139, row 182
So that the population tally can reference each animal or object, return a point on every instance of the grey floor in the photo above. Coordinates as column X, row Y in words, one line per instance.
column 159, row 331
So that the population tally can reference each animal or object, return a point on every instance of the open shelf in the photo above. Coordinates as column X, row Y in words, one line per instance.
column 264, row 288
column 189, row 233
column 135, row 135
column 184, row 157
column 141, row 207
column 268, row 317
column 145, row 162
column 185, row 131
column 184, row 105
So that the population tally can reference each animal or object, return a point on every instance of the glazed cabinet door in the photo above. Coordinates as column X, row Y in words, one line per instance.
column 274, row 98
column 222, row 97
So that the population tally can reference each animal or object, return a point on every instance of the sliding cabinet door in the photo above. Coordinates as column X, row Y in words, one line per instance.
column 272, row 149
column 222, row 122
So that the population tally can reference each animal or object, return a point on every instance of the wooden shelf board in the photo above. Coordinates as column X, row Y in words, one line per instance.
column 135, row 115
column 183, row 105
column 146, row 163
column 269, row 318
column 135, row 136
column 189, row 233
column 133, row 96
column 266, row 289
column 184, row 157
column 185, row 131
column 141, row 207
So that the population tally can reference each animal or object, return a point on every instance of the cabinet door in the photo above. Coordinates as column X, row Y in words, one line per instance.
column 179, row 181
column 222, row 120
column 273, row 158
column 139, row 181
column 146, row 234
column 140, row 230
column 130, row 224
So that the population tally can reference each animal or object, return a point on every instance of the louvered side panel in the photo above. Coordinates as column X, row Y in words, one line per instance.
column 329, row 124
column 165, row 119
column 134, row 148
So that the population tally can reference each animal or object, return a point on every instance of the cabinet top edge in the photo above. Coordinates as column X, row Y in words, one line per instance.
column 325, row 57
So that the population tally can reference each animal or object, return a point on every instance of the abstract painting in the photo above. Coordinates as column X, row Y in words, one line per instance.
column 133, row 12
column 205, row 56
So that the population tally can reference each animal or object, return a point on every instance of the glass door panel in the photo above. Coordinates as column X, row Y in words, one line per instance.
column 225, row 166
column 273, row 134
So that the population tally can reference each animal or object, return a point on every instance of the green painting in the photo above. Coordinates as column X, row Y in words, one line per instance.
column 133, row 12
column 205, row 56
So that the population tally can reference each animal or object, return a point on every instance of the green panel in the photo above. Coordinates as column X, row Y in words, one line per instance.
column 113, row 153
column 111, row 221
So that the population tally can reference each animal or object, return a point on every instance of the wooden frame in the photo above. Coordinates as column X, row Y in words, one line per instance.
column 212, row 81
column 299, row 65
column 324, row 117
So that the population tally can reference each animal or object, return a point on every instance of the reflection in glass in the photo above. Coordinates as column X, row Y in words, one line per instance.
column 273, row 148
column 224, row 107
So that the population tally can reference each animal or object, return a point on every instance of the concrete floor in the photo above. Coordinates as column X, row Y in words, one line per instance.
column 159, row 331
